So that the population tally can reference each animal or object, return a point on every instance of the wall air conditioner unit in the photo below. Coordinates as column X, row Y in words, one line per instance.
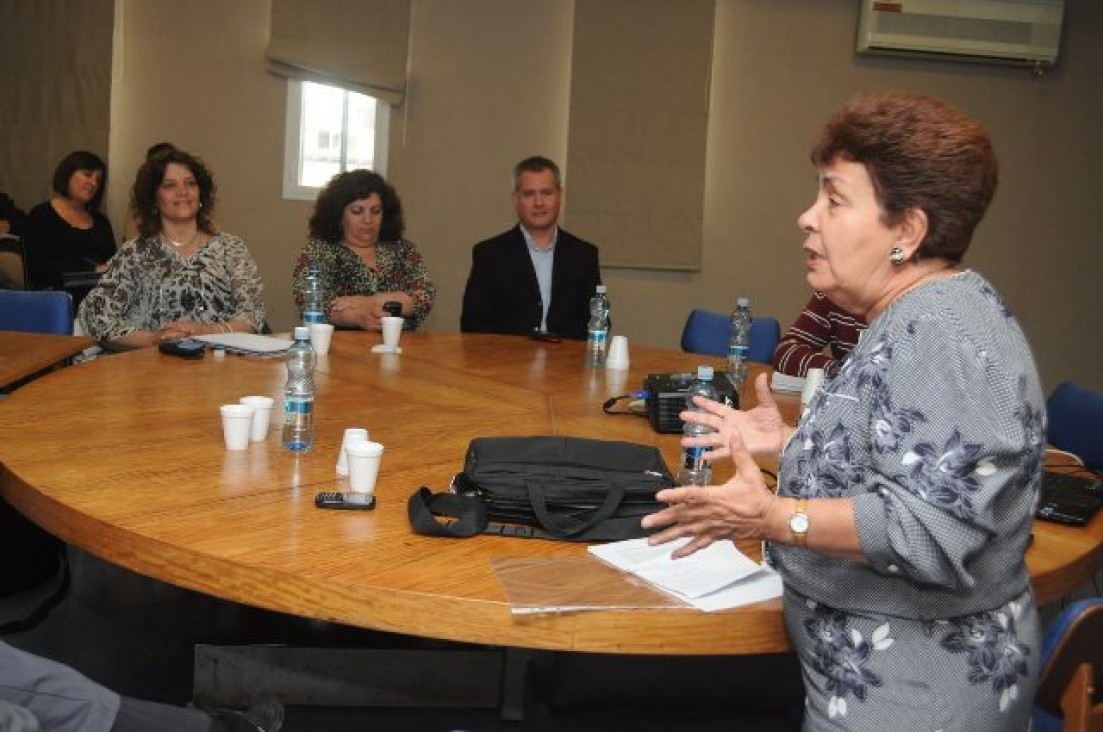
column 1000, row 31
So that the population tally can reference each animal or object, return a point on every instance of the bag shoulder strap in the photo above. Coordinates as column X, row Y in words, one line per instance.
column 464, row 516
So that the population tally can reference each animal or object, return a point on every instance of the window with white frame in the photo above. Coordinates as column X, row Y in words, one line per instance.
column 330, row 130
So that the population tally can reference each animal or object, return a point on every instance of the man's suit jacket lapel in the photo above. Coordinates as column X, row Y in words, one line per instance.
column 522, row 263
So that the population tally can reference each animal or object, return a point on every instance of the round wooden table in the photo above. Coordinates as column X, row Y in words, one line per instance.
column 123, row 457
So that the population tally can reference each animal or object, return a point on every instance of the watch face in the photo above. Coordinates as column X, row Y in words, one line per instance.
column 798, row 523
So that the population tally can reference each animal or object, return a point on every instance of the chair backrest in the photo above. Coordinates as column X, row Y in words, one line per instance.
column 1075, row 637
column 13, row 268
column 1082, row 714
column 707, row 332
column 36, row 311
column 1076, row 422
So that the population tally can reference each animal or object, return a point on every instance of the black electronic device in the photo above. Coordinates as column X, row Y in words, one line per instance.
column 345, row 501
column 393, row 308
column 666, row 398
column 545, row 336
column 1069, row 499
column 187, row 348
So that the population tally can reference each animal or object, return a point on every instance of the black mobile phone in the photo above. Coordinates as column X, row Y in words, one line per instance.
column 187, row 348
column 344, row 501
column 545, row 336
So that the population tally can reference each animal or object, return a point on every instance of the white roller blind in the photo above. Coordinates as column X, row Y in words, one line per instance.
column 638, row 124
column 359, row 45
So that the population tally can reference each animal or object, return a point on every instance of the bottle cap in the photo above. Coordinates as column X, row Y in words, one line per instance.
column 704, row 373
column 600, row 289
column 302, row 333
column 742, row 302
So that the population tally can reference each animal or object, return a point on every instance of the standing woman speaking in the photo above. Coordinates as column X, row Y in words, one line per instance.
column 181, row 276
column 906, row 492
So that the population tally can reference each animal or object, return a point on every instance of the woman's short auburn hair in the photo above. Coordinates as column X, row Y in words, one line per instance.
column 920, row 153
column 143, row 195
column 353, row 185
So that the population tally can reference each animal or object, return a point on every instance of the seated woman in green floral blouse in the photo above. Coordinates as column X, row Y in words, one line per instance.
column 356, row 242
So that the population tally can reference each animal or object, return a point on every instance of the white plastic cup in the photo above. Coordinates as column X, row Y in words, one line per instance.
column 364, row 459
column 352, row 434
column 320, row 336
column 617, row 358
column 392, row 331
column 237, row 422
column 262, row 411
column 813, row 380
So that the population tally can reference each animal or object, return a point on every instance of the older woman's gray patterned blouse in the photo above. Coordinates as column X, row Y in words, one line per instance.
column 935, row 427
column 148, row 284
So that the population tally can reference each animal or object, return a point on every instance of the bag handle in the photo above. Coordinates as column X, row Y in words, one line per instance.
column 571, row 526
column 424, row 505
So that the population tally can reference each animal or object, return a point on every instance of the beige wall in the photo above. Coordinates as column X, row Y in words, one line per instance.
column 489, row 84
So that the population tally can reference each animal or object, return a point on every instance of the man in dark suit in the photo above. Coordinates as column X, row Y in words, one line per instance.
column 536, row 277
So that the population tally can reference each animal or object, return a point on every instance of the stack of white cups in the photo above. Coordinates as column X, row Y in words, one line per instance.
column 352, row 434
column 617, row 358
column 359, row 460
column 246, row 421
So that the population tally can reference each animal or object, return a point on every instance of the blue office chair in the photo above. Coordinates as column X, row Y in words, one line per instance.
column 36, row 311
column 1076, row 422
column 707, row 332
column 1074, row 638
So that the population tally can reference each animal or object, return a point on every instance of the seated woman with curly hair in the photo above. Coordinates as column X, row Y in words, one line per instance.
column 180, row 277
column 364, row 262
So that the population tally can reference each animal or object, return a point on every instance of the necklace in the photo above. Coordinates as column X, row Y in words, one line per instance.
column 179, row 244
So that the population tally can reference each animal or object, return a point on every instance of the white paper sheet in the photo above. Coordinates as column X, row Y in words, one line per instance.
column 715, row 578
column 786, row 384
column 247, row 342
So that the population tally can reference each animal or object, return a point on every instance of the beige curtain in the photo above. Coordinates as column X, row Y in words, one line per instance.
column 638, row 124
column 55, row 89
column 358, row 45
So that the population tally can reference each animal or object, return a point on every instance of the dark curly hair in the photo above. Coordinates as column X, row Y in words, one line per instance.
column 80, row 160
column 353, row 185
column 143, row 196
column 920, row 153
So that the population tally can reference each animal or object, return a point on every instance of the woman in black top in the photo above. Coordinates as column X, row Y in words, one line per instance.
column 68, row 233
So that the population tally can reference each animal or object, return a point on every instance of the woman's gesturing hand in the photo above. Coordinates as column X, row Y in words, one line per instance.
column 761, row 429
column 738, row 509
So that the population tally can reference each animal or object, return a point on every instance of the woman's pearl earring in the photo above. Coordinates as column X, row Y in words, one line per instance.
column 896, row 256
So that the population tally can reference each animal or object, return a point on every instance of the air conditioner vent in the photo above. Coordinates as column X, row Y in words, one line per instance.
column 1008, row 31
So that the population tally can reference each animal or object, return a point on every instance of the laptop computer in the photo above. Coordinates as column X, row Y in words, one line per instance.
column 1069, row 499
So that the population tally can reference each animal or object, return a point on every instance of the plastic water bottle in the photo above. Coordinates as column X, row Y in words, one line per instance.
column 298, row 394
column 695, row 470
column 739, row 343
column 313, row 312
column 597, row 339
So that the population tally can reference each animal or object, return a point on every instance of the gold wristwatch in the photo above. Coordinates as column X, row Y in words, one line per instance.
column 798, row 522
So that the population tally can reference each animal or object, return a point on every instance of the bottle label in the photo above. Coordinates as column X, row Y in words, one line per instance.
column 737, row 351
column 597, row 336
column 293, row 405
column 692, row 458
column 313, row 316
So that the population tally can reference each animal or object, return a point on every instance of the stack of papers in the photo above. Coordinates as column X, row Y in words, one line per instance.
column 786, row 384
column 248, row 343
column 717, row 577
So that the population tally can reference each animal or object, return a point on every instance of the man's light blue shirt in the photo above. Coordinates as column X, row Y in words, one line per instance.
column 542, row 260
